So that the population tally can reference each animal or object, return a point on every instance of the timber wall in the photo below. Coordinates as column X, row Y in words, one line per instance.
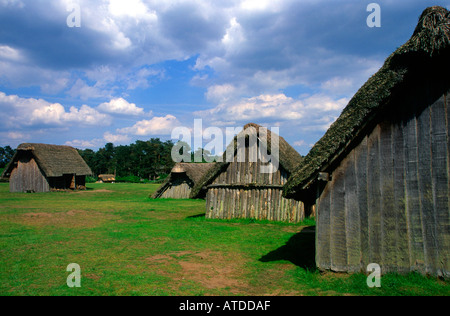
column 242, row 191
column 27, row 177
column 388, row 200
column 180, row 188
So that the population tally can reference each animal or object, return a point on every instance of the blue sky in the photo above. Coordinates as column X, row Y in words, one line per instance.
column 137, row 69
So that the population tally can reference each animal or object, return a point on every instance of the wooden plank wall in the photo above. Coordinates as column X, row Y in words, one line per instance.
column 257, row 203
column 229, row 196
column 27, row 177
column 388, row 201
column 180, row 189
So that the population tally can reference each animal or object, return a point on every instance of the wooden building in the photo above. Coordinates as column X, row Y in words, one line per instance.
column 106, row 178
column 182, row 178
column 42, row 168
column 239, row 189
column 380, row 175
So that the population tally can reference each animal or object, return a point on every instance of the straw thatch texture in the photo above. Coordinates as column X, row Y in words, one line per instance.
column 107, row 178
column 430, row 40
column 289, row 158
column 42, row 167
column 54, row 160
column 184, row 175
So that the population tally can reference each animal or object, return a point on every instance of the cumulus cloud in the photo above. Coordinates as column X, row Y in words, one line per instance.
column 85, row 92
column 155, row 126
column 38, row 112
column 82, row 144
column 120, row 106
column 116, row 138
column 274, row 108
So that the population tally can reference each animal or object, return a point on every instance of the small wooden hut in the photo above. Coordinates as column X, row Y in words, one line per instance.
column 239, row 189
column 106, row 178
column 380, row 175
column 42, row 168
column 182, row 178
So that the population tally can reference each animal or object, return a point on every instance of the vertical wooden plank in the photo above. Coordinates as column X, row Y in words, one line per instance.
column 338, row 246
column 323, row 235
column 400, row 211
column 361, row 154
column 440, row 180
column 374, row 197
column 352, row 218
column 412, row 196
column 426, row 189
column 388, row 232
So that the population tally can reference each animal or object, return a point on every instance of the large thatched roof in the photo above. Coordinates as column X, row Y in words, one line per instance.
column 289, row 158
column 53, row 160
column 194, row 171
column 427, row 49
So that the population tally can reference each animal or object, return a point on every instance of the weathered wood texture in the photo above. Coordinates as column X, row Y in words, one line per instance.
column 388, row 200
column 243, row 191
column 27, row 177
column 179, row 188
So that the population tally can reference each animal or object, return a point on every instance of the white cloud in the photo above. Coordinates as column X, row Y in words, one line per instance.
column 85, row 92
column 299, row 143
column 82, row 144
column 108, row 137
column 17, row 136
column 120, row 106
column 20, row 75
column 130, row 8
column 116, row 139
column 257, row 108
column 338, row 85
column 29, row 112
column 9, row 53
column 154, row 126
column 309, row 113
column 220, row 93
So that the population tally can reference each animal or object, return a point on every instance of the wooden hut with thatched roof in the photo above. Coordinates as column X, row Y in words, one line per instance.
column 238, row 188
column 106, row 178
column 42, row 168
column 380, row 175
column 181, row 180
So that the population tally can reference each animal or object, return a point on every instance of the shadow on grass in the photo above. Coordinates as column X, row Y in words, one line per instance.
column 299, row 250
column 199, row 216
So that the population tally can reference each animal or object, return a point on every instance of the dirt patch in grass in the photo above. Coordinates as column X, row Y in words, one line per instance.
column 211, row 269
column 69, row 219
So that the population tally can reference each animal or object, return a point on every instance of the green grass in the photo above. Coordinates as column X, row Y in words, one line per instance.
column 128, row 244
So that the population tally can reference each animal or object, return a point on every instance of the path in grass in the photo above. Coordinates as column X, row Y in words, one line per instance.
column 128, row 244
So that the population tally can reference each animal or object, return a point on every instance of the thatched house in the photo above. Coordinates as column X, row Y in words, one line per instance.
column 181, row 180
column 42, row 168
column 380, row 175
column 106, row 178
column 236, row 189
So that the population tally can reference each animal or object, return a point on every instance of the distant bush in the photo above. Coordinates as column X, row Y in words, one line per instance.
column 129, row 179
column 91, row 179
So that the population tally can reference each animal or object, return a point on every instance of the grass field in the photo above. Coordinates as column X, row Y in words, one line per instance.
column 128, row 244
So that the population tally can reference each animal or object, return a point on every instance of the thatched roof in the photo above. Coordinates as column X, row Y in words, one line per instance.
column 107, row 177
column 289, row 158
column 427, row 50
column 194, row 171
column 53, row 160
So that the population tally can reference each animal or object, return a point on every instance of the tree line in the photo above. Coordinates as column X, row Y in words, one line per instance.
column 147, row 160
column 6, row 154
column 144, row 159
